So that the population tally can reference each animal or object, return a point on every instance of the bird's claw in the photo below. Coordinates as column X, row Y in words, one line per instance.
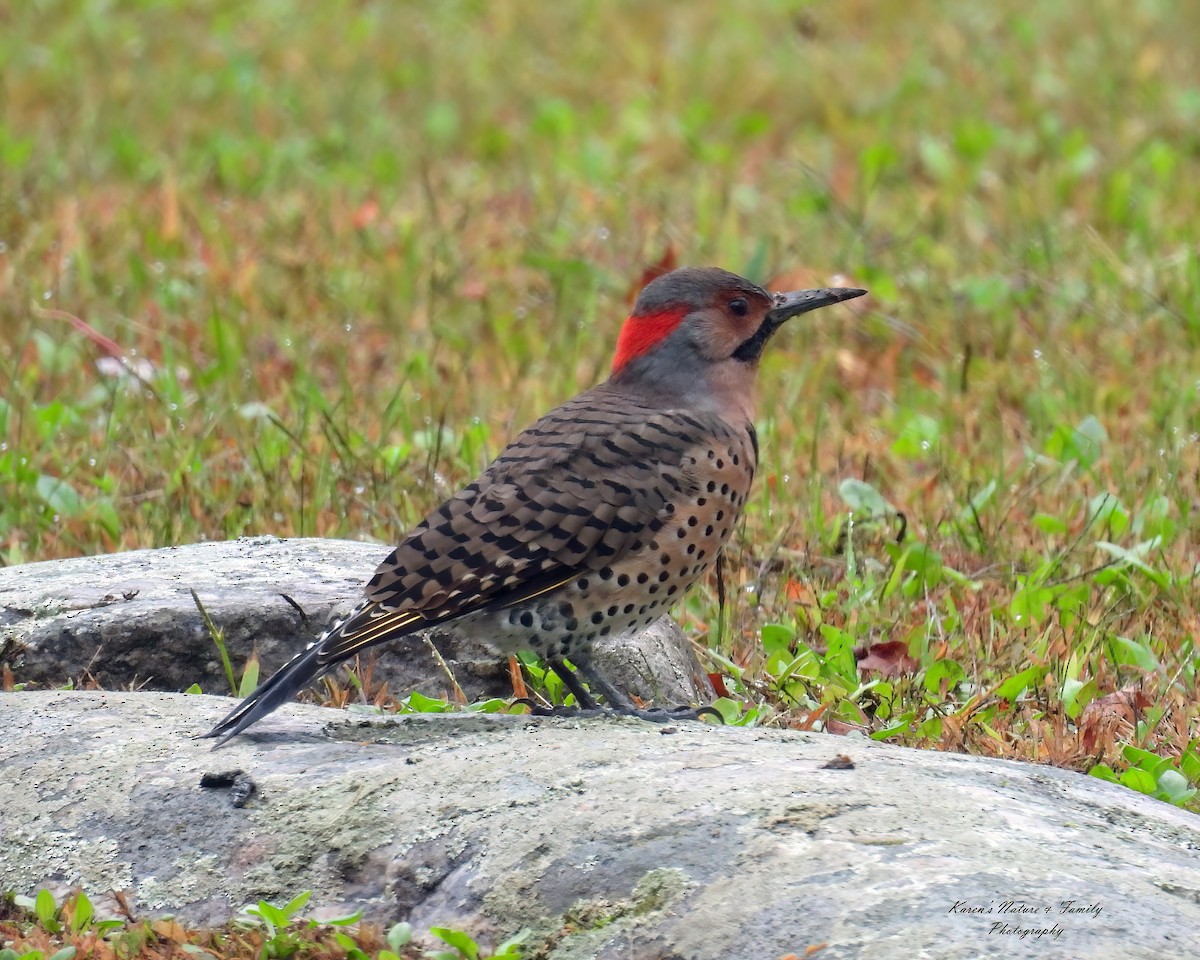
column 653, row 715
column 667, row 714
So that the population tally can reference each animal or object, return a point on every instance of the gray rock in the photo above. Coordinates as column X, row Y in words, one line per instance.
column 128, row 620
column 609, row 838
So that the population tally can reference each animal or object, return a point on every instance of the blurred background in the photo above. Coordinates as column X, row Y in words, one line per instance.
column 303, row 269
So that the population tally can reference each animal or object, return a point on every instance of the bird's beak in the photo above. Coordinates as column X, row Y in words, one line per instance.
column 788, row 305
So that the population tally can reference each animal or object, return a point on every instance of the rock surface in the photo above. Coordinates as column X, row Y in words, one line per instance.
column 609, row 838
column 128, row 620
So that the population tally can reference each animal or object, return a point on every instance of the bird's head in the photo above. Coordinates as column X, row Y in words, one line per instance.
column 693, row 317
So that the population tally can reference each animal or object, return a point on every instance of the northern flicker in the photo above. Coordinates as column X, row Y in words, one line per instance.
column 596, row 519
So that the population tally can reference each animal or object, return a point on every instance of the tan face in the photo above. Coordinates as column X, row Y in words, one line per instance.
column 728, row 321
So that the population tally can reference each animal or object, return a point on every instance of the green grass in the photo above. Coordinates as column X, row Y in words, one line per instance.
column 360, row 245
column 40, row 928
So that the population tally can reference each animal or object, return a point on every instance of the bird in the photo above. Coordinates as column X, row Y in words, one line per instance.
column 597, row 518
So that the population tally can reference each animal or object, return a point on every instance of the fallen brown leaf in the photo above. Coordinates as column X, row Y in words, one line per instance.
column 888, row 659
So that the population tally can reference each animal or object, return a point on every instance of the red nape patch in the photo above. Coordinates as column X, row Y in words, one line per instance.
column 639, row 334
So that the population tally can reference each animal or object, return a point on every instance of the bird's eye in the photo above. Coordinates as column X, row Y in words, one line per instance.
column 739, row 306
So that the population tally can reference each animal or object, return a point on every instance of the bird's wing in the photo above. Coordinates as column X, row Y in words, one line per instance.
column 576, row 491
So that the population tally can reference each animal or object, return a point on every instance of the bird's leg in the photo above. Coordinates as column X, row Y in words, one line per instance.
column 584, row 699
column 615, row 700
column 618, row 701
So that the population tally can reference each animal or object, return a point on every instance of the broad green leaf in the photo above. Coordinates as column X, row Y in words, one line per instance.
column 1077, row 694
column 863, row 499
column 931, row 728
column 1133, row 558
column 459, row 940
column 249, row 678
column 81, row 912
column 777, row 639
column 1049, row 524
column 508, row 947
column 1189, row 763
column 1174, row 784
column 1126, row 652
column 419, row 703
column 942, row 672
column 1106, row 511
column 46, row 909
column 1017, row 684
column 59, row 496
column 1139, row 780
column 399, row 935
column 919, row 438
column 1152, row 763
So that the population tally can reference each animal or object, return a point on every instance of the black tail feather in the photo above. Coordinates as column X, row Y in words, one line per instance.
column 289, row 680
column 369, row 624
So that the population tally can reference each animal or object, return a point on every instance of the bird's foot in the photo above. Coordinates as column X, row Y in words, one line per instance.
column 561, row 709
column 653, row 715
column 669, row 714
